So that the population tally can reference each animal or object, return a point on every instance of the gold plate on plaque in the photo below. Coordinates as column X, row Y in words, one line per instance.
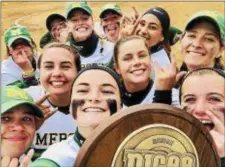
column 156, row 145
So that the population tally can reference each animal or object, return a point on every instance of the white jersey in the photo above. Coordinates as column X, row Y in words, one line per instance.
column 102, row 55
column 62, row 154
column 11, row 72
column 149, row 97
column 56, row 128
column 161, row 58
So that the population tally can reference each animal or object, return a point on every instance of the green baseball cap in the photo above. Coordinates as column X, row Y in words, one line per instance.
column 16, row 32
column 174, row 35
column 13, row 96
column 213, row 16
column 112, row 7
column 78, row 5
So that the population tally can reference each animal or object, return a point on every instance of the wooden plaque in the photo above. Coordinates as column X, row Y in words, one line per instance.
column 150, row 135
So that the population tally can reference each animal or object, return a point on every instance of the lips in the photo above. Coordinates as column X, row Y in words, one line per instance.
column 196, row 53
column 16, row 138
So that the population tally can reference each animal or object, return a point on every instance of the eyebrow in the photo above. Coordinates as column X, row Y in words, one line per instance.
column 108, row 84
column 188, row 95
column 83, row 84
column 215, row 93
column 207, row 33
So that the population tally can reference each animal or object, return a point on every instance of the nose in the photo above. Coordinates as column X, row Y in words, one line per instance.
column 197, row 42
column 143, row 30
column 136, row 61
column 57, row 72
column 199, row 109
column 94, row 96
column 17, row 127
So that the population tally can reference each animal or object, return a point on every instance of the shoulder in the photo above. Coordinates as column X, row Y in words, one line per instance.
column 44, row 163
column 35, row 91
column 63, row 153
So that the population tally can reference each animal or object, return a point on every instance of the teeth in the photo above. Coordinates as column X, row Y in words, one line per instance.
column 206, row 122
column 93, row 109
column 57, row 83
column 81, row 29
column 138, row 72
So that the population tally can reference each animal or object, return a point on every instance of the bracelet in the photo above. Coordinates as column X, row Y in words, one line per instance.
column 28, row 73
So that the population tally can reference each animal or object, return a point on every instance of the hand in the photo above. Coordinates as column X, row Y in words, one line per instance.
column 22, row 59
column 9, row 162
column 45, row 108
column 64, row 33
column 128, row 26
column 136, row 14
column 165, row 78
column 14, row 162
column 217, row 132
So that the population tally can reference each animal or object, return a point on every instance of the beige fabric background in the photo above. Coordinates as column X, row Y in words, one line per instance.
column 33, row 15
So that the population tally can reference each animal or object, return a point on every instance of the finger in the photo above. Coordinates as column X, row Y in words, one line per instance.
column 5, row 161
column 156, row 67
column 180, row 75
column 218, row 125
column 136, row 14
column 52, row 112
column 14, row 163
column 43, row 106
column 173, row 65
column 27, row 158
column 135, row 25
column 42, row 99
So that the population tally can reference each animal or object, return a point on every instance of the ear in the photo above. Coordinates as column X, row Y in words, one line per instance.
column 116, row 68
column 162, row 38
column 10, row 51
column 222, row 48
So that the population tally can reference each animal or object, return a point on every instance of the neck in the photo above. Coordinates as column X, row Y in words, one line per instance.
column 136, row 87
column 88, row 46
column 85, row 131
column 60, row 100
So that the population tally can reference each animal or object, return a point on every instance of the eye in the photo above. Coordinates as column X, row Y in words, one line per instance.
column 5, row 119
column 66, row 67
column 209, row 39
column 191, row 35
column 48, row 67
column 127, row 58
column 143, row 55
column 214, row 99
column 142, row 23
column 152, row 27
column 107, row 92
column 81, row 91
column 28, row 119
column 189, row 100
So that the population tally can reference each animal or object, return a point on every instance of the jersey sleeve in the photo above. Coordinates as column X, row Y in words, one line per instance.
column 43, row 162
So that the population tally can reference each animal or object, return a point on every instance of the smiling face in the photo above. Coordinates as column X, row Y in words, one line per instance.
column 80, row 24
column 94, row 92
column 199, row 99
column 57, row 71
column 111, row 25
column 150, row 28
column 133, row 64
column 200, row 46
column 17, row 131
